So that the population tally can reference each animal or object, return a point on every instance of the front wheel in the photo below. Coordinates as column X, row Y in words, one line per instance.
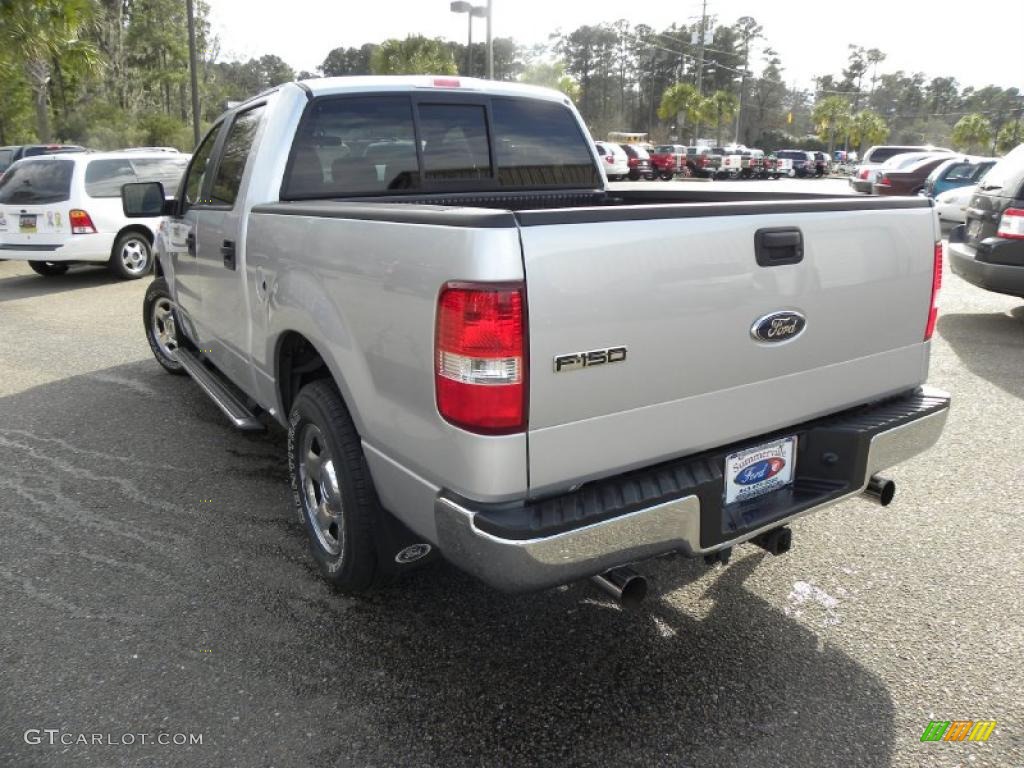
column 666, row 176
column 161, row 325
column 332, row 490
column 132, row 256
column 48, row 268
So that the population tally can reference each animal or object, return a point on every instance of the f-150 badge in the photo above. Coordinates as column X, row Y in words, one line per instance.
column 595, row 357
column 778, row 326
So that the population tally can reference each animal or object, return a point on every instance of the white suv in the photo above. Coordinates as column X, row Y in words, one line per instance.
column 59, row 209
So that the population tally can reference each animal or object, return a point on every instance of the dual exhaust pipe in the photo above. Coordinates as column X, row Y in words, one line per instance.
column 629, row 588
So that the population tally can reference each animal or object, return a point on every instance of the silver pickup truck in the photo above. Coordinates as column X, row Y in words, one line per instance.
column 481, row 350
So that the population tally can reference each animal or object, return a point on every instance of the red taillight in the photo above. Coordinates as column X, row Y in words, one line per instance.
column 883, row 181
column 480, row 362
column 632, row 162
column 81, row 224
column 864, row 174
column 933, row 310
column 609, row 158
column 1011, row 225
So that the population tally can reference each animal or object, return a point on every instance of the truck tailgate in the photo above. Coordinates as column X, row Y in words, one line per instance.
column 680, row 289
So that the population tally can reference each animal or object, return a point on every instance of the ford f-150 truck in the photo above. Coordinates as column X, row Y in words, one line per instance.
column 480, row 350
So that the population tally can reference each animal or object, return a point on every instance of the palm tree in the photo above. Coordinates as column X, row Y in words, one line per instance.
column 831, row 115
column 40, row 33
column 680, row 101
column 719, row 109
column 972, row 132
column 866, row 127
column 1010, row 135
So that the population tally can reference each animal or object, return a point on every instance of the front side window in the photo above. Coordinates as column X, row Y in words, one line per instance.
column 233, row 157
column 200, row 164
column 37, row 182
column 104, row 178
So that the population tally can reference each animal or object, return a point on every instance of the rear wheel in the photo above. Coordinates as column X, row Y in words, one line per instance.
column 332, row 490
column 132, row 256
column 161, row 325
column 666, row 176
column 48, row 268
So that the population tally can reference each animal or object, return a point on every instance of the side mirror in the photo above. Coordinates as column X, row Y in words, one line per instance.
column 145, row 200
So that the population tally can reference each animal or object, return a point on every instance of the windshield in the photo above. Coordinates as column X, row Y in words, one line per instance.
column 37, row 181
column 1007, row 174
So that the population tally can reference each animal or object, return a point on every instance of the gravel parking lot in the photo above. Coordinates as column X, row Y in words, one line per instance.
column 153, row 580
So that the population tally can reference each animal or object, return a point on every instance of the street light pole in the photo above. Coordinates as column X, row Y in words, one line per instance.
column 469, row 47
column 490, row 45
column 192, row 70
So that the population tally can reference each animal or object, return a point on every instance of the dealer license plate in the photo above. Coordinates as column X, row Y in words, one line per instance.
column 759, row 470
column 27, row 223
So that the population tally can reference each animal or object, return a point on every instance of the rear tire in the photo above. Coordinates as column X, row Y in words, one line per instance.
column 160, row 321
column 332, row 489
column 48, row 268
column 132, row 256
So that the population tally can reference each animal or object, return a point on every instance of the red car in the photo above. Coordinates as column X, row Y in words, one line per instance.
column 908, row 180
column 669, row 160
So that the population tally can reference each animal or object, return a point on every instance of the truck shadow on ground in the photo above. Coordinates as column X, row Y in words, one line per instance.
column 990, row 345
column 184, row 539
column 29, row 284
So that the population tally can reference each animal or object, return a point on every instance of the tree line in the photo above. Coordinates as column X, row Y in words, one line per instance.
column 111, row 73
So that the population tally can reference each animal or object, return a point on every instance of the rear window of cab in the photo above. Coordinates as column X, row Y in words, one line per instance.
column 391, row 144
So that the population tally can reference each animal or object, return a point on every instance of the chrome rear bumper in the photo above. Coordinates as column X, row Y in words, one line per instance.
column 525, row 564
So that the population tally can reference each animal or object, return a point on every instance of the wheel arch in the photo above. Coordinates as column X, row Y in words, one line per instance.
column 298, row 361
column 141, row 229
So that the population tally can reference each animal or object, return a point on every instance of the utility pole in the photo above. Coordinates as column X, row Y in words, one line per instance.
column 700, row 50
column 700, row 61
column 490, row 45
column 743, row 87
column 192, row 68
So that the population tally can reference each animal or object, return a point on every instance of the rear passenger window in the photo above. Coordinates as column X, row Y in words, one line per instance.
column 232, row 159
column 351, row 146
column 104, row 178
column 167, row 170
column 540, row 145
column 454, row 142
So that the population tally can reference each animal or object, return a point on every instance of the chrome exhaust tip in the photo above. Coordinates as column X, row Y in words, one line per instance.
column 624, row 584
column 880, row 490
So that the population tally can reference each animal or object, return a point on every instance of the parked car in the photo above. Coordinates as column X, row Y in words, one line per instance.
column 546, row 385
column 669, row 160
column 614, row 159
column 793, row 162
column 907, row 178
column 639, row 162
column 957, row 172
column 12, row 154
column 865, row 174
column 702, row 161
column 951, row 205
column 821, row 163
column 59, row 209
column 988, row 249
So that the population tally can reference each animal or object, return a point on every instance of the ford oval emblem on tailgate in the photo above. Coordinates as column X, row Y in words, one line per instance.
column 778, row 326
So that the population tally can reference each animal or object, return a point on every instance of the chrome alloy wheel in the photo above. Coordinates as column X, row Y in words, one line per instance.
column 134, row 255
column 165, row 331
column 321, row 496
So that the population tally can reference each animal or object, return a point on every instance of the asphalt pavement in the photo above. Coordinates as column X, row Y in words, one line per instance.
column 154, row 582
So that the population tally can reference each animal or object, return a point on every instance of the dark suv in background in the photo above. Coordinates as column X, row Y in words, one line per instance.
column 12, row 154
column 988, row 250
